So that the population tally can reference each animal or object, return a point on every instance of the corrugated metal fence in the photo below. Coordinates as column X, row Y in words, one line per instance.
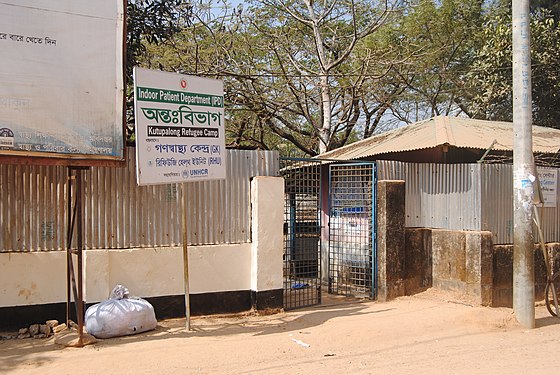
column 463, row 197
column 120, row 214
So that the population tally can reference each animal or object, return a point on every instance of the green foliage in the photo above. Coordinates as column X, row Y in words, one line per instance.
column 551, row 7
column 429, row 50
column 303, row 77
column 288, row 69
column 305, row 84
column 149, row 22
column 152, row 21
column 490, row 77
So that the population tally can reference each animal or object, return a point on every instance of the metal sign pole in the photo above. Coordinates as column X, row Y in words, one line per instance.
column 75, row 223
column 70, row 231
column 180, row 153
column 186, row 262
column 80, row 254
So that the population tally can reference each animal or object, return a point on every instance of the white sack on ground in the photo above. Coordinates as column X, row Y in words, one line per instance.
column 120, row 315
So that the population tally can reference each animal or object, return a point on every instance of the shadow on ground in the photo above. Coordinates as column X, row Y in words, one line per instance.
column 34, row 353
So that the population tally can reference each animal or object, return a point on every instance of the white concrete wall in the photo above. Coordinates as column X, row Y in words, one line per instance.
column 32, row 278
column 151, row 272
column 40, row 277
column 267, row 200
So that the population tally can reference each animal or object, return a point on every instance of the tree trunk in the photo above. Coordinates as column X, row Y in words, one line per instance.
column 325, row 131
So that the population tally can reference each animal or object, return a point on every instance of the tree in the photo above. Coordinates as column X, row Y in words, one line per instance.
column 430, row 50
column 289, row 68
column 313, row 46
column 490, row 77
column 216, row 44
column 455, row 59
column 149, row 22
column 312, row 76
column 152, row 21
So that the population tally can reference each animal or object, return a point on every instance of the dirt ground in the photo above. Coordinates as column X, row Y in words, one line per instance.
column 429, row 333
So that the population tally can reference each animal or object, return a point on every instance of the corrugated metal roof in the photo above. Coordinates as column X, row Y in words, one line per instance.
column 443, row 130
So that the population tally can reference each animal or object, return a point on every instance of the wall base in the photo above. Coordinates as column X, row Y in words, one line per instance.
column 268, row 299
column 166, row 307
column 502, row 291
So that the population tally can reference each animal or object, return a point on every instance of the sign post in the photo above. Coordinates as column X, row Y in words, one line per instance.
column 186, row 262
column 180, row 136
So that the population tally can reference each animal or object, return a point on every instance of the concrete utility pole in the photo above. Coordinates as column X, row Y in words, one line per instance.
column 523, row 169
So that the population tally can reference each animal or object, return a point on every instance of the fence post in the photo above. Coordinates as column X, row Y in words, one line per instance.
column 267, row 214
column 390, row 239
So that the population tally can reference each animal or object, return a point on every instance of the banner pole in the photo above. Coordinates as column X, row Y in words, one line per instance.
column 186, row 262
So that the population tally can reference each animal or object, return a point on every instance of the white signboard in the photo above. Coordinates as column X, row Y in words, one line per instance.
column 180, row 129
column 61, row 70
column 549, row 185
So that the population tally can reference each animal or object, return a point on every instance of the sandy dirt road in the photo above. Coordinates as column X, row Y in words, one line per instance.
column 429, row 333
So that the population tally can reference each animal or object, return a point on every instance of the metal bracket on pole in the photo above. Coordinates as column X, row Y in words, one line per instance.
column 487, row 151
column 75, row 224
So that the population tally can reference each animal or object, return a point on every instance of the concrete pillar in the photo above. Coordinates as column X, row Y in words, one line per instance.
column 449, row 260
column 463, row 263
column 479, row 266
column 267, row 209
column 390, row 239
column 418, row 260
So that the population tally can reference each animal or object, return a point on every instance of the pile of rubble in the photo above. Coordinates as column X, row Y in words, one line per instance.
column 37, row 331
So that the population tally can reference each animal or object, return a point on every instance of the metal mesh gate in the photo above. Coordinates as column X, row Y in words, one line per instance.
column 302, row 232
column 352, row 257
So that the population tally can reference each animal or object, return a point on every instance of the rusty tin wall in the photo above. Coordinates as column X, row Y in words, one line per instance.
column 120, row 214
column 463, row 197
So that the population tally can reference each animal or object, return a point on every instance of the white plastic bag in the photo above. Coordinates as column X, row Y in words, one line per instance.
column 120, row 315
